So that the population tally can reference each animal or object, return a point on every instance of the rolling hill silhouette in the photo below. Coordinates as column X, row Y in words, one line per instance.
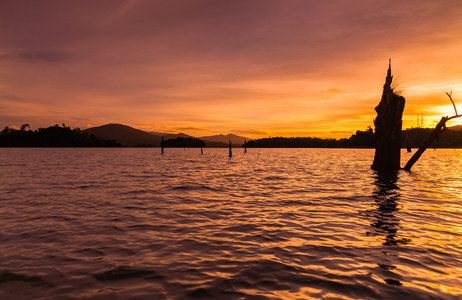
column 171, row 136
column 221, row 138
column 129, row 136
column 126, row 135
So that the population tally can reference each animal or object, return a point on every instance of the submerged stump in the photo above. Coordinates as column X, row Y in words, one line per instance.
column 388, row 124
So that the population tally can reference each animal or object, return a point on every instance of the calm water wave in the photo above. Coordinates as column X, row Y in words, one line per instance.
column 268, row 224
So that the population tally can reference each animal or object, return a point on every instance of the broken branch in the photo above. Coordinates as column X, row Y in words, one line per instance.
column 439, row 129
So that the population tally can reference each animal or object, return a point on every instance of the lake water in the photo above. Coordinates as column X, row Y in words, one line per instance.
column 128, row 223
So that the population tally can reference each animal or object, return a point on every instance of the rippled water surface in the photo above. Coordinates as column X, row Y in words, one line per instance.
column 268, row 224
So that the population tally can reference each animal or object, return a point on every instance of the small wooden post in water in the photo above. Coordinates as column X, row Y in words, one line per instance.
column 202, row 152
column 230, row 151
column 408, row 144
column 162, row 145
column 245, row 145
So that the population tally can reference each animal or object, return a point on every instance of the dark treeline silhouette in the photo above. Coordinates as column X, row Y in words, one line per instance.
column 450, row 139
column 360, row 139
column 294, row 142
column 53, row 136
column 182, row 142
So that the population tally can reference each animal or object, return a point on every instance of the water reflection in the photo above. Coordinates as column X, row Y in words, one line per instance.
column 385, row 224
column 383, row 219
column 272, row 223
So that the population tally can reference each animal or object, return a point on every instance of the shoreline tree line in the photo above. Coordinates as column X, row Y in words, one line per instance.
column 64, row 136
column 412, row 137
column 53, row 136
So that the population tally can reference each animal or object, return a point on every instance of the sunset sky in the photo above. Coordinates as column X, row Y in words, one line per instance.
column 253, row 67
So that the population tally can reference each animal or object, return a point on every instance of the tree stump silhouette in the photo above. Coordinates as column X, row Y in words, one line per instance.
column 388, row 124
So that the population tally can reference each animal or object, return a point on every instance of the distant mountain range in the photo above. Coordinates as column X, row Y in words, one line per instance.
column 129, row 136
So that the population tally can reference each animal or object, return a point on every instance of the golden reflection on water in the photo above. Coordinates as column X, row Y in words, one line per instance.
column 276, row 223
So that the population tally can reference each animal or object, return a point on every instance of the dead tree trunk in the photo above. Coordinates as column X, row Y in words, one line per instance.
column 439, row 129
column 388, row 128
